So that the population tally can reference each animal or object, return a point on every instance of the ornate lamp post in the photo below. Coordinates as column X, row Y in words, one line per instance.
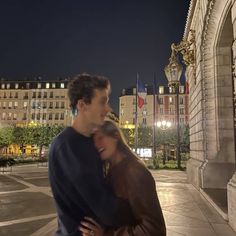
column 173, row 72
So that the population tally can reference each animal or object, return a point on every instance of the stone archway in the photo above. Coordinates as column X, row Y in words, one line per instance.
column 219, row 163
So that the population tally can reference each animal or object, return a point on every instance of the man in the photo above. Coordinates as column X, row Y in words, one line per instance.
column 75, row 169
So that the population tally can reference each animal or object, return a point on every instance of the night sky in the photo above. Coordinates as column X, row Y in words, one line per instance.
column 115, row 38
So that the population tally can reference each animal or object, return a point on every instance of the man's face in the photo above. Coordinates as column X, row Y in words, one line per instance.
column 96, row 111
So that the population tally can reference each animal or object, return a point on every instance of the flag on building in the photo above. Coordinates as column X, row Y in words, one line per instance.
column 141, row 95
column 186, row 87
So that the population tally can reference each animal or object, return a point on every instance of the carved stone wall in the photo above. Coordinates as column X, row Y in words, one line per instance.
column 212, row 128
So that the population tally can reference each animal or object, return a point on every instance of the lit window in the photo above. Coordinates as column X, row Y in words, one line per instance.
column 62, row 85
column 16, row 104
column 14, row 116
column 39, row 86
column 171, row 89
column 8, row 86
column 171, row 100
column 25, row 104
column 161, row 89
column 16, row 86
column 47, row 85
column 181, row 89
column 10, row 105
column 3, row 86
column 53, row 85
column 4, row 115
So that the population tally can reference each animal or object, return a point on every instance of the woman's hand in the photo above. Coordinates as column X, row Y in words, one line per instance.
column 90, row 227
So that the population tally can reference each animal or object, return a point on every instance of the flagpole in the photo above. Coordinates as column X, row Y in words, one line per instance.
column 154, row 115
column 136, row 115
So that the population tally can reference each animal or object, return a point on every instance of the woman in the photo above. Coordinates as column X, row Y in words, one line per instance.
column 131, row 180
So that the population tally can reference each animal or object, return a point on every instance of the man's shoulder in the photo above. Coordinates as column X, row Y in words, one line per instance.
column 65, row 136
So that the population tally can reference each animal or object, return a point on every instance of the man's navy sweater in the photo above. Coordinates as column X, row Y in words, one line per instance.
column 78, row 186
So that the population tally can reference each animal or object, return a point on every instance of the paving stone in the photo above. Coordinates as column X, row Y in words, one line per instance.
column 23, row 205
column 7, row 184
column 23, row 229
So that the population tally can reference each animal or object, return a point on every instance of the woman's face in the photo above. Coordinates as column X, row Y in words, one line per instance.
column 106, row 145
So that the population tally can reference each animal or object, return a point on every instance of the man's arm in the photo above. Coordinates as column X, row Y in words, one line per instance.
column 93, row 193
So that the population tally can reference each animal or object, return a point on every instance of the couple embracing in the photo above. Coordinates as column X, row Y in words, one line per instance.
column 100, row 186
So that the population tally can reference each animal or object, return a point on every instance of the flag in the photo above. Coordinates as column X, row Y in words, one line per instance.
column 186, row 87
column 141, row 93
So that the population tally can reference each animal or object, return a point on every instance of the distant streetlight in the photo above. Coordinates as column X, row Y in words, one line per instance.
column 164, row 125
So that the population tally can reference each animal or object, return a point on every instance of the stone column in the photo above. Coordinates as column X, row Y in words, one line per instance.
column 231, row 187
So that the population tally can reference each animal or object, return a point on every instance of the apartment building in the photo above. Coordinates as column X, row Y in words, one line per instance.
column 35, row 101
column 165, row 106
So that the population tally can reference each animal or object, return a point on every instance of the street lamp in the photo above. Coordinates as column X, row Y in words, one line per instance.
column 164, row 125
column 173, row 73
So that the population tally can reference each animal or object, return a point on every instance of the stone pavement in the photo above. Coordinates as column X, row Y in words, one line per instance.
column 27, row 207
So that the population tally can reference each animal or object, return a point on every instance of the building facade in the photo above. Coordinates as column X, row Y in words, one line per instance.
column 34, row 102
column 212, row 86
column 165, row 107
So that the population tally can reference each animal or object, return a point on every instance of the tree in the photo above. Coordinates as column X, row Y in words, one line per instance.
column 42, row 135
column 129, row 136
column 6, row 136
column 145, row 135
column 184, row 139
column 20, row 136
